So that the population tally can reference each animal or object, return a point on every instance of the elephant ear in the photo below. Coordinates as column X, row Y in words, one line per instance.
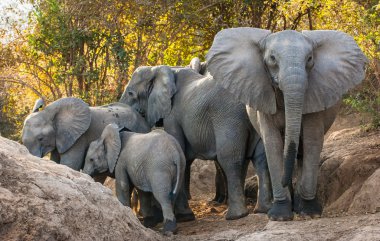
column 159, row 100
column 236, row 62
column 195, row 64
column 38, row 105
column 112, row 144
column 71, row 118
column 338, row 66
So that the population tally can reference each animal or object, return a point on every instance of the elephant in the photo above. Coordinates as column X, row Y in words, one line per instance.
column 221, row 192
column 38, row 105
column 198, row 66
column 151, row 162
column 292, row 85
column 206, row 121
column 67, row 126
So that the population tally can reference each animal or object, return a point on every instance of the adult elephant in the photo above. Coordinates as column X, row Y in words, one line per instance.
column 207, row 122
column 292, row 84
column 67, row 126
column 221, row 193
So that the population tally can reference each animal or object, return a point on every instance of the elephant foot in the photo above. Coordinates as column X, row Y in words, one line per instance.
column 221, row 199
column 170, row 227
column 281, row 211
column 185, row 217
column 262, row 208
column 310, row 208
column 150, row 222
column 234, row 213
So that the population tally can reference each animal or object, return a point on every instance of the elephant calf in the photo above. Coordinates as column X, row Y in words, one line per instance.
column 152, row 163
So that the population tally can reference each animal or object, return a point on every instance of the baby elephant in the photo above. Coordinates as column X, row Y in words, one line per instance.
column 152, row 163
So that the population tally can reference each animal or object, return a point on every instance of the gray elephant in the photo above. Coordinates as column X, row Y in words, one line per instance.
column 221, row 192
column 153, row 163
column 206, row 121
column 198, row 66
column 292, row 84
column 67, row 126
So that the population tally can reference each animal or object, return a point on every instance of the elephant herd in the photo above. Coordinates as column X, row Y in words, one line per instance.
column 260, row 96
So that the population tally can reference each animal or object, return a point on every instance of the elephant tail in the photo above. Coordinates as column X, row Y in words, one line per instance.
column 180, row 162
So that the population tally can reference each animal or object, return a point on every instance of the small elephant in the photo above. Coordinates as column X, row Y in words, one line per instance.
column 207, row 122
column 152, row 163
column 292, row 84
column 67, row 126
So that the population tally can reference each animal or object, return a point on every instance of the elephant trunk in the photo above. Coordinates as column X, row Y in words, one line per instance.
column 293, row 99
column 36, row 151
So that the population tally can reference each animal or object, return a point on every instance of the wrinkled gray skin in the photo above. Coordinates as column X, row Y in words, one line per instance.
column 67, row 126
column 206, row 122
column 292, row 84
column 259, row 160
column 152, row 163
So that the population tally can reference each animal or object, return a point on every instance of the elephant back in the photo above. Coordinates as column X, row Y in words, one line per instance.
column 121, row 114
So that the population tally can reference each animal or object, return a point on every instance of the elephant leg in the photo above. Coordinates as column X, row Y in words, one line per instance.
column 123, row 187
column 231, row 157
column 236, row 199
column 183, row 212
column 313, row 133
column 264, row 195
column 146, row 209
column 157, row 211
column 221, row 194
column 173, row 128
column 163, row 198
column 281, row 209
column 187, row 178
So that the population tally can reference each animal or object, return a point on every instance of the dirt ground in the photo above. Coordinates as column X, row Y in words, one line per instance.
column 352, row 210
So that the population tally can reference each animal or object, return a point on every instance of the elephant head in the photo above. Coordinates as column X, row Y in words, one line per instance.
column 103, row 153
column 58, row 126
column 150, row 91
column 310, row 69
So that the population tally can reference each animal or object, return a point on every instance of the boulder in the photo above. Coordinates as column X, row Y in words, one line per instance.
column 251, row 187
column 350, row 172
column 42, row 200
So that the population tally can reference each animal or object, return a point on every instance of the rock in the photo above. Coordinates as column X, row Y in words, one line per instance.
column 368, row 197
column 363, row 227
column 250, row 188
column 202, row 179
column 41, row 200
column 350, row 172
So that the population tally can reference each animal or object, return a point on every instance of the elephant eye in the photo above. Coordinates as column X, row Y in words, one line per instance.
column 91, row 160
column 309, row 59
column 40, row 139
column 130, row 93
column 273, row 58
